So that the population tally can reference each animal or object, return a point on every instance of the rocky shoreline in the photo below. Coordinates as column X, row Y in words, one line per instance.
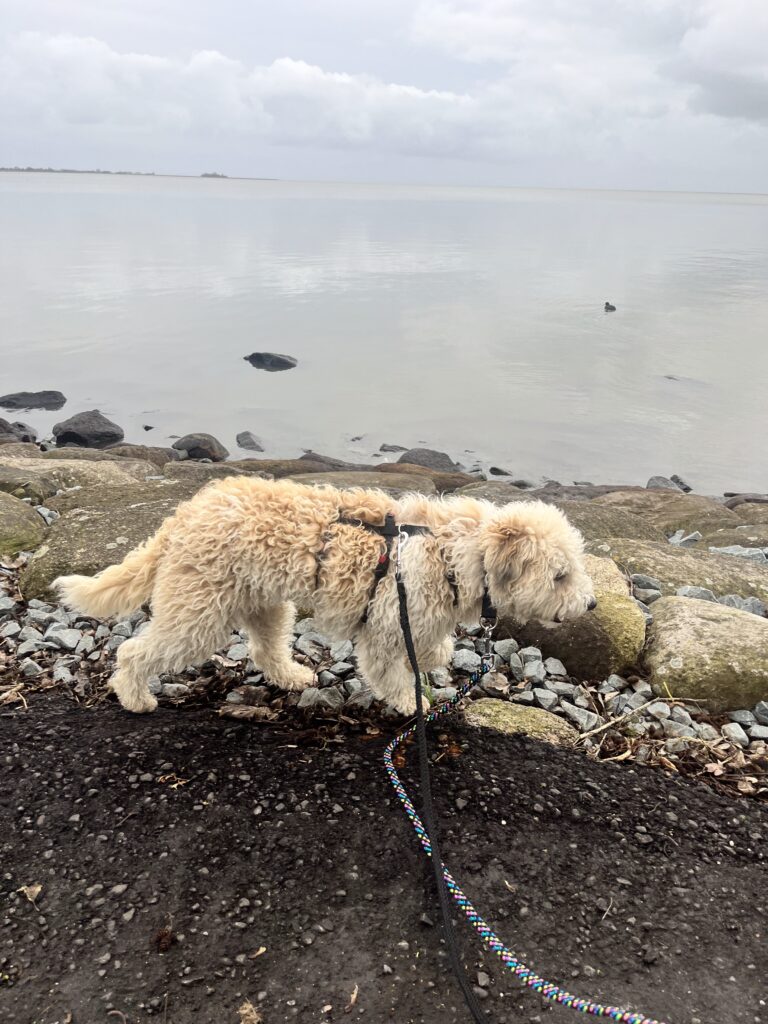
column 672, row 668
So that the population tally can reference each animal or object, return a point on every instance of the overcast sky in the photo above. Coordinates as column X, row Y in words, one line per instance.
column 669, row 94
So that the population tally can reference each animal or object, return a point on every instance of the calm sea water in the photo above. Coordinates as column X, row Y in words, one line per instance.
column 469, row 320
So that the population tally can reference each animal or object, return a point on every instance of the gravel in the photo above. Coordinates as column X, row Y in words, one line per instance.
column 699, row 593
column 734, row 732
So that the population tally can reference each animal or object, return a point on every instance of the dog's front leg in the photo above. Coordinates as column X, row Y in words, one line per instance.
column 388, row 672
column 270, row 633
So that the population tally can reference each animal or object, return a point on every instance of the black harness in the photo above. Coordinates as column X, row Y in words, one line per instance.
column 390, row 532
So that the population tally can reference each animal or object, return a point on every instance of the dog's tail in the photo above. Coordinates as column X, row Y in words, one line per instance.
column 117, row 590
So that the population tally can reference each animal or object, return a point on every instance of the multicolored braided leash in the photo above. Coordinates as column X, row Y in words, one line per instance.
column 489, row 938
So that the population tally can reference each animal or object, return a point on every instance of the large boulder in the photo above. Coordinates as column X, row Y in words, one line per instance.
column 10, row 433
column 747, row 535
column 753, row 513
column 21, row 528
column 19, row 450
column 444, row 482
column 39, row 479
column 431, row 459
column 204, row 471
column 497, row 491
column 515, row 719
column 157, row 456
column 395, row 484
column 88, row 430
column 71, row 452
column 98, row 527
column 704, row 651
column 676, row 567
column 599, row 643
column 32, row 400
column 670, row 511
column 201, row 446
column 248, row 440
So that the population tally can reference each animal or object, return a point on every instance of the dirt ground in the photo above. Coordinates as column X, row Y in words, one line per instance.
column 188, row 862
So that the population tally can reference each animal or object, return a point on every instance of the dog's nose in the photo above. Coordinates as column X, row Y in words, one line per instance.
column 592, row 604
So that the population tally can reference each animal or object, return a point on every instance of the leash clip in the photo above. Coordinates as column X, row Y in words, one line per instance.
column 402, row 539
column 487, row 658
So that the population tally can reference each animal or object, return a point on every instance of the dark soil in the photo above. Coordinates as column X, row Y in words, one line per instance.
column 172, row 848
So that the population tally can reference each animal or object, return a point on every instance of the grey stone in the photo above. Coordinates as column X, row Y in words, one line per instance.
column 646, row 597
column 659, row 710
column 698, row 593
column 561, row 688
column 528, row 654
column 175, row 690
column 754, row 554
column 466, row 661
column 534, row 672
column 67, row 639
column 505, row 648
column 329, row 699
column 644, row 687
column 85, row 645
column 61, row 671
column 681, row 539
column 681, row 483
column 760, row 712
column 758, row 732
column 7, row 605
column 122, row 629
column 734, row 732
column 245, row 439
column 430, row 459
column 155, row 685
column 29, row 633
column 681, row 715
column 583, row 719
column 705, row 731
column 495, row 685
column 31, row 647
column 326, row 678
column 305, row 645
column 342, row 651
column 677, row 745
column 9, row 630
column 237, row 652
column 361, row 700
column 30, row 668
column 639, row 579
column 271, row 361
column 342, row 668
column 516, row 667
column 745, row 604
column 662, row 483
column 114, row 642
column 442, row 694
column 523, row 697
column 555, row 667
column 546, row 699
column 677, row 729
column 744, row 718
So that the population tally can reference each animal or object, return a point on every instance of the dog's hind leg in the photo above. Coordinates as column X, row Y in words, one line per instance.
column 179, row 634
column 270, row 632
column 389, row 674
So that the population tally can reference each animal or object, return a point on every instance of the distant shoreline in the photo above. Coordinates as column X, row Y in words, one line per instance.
column 137, row 174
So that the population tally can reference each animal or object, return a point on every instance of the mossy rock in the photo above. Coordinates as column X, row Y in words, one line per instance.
column 749, row 512
column 21, row 527
column 39, row 479
column 98, row 527
column 677, row 567
column 704, row 651
column 392, row 483
column 749, row 535
column 515, row 719
column 150, row 453
column 19, row 450
column 204, row 471
column 670, row 511
column 444, row 482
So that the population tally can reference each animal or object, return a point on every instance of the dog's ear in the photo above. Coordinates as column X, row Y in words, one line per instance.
column 508, row 546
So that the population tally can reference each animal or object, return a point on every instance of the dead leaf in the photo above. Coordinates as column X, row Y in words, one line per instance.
column 327, row 1008
column 249, row 1014
column 174, row 780
column 31, row 891
column 259, row 952
column 352, row 999
column 257, row 714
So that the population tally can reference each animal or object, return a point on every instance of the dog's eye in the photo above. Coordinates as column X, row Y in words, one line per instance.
column 561, row 576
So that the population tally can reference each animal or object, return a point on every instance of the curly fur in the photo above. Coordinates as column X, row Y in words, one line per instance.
column 243, row 553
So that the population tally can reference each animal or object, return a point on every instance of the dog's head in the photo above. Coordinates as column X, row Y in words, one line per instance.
column 534, row 562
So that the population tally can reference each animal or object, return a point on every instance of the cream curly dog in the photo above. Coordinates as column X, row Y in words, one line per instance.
column 244, row 552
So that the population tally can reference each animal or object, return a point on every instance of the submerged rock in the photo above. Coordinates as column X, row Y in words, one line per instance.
column 271, row 361
column 50, row 400
column 245, row 439
column 431, row 459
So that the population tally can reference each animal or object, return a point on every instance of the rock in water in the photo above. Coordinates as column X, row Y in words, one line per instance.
column 245, row 439
column 431, row 459
column 51, row 400
column 202, row 446
column 271, row 361
column 88, row 430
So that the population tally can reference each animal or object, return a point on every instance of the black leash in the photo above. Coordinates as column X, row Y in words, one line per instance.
column 429, row 816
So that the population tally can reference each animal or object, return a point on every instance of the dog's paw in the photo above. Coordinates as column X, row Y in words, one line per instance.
column 407, row 705
column 139, row 704
column 292, row 677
